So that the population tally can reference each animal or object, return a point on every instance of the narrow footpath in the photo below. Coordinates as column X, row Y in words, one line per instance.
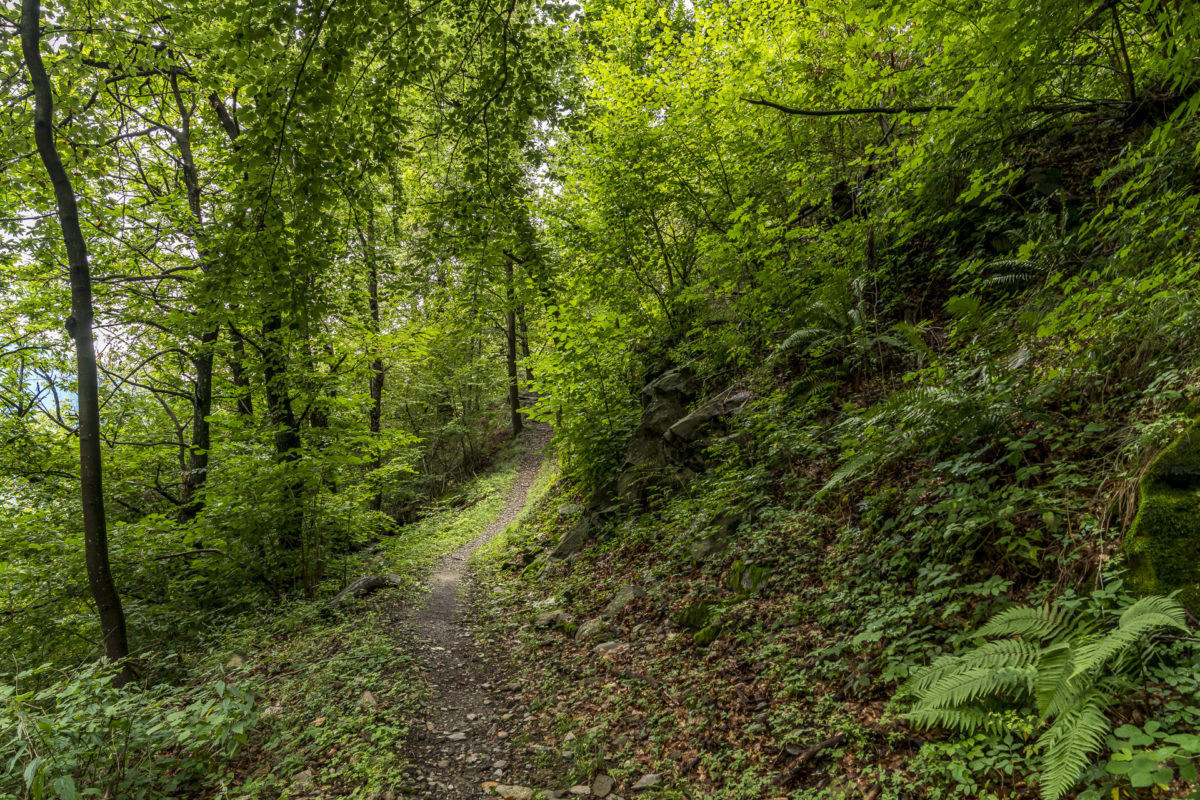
column 460, row 745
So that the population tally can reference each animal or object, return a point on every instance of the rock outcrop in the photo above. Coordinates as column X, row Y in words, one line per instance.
column 1163, row 544
column 665, row 450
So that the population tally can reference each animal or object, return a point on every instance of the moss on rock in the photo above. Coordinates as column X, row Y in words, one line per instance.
column 1163, row 544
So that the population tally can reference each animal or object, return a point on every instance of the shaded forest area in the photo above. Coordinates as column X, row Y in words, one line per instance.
column 868, row 332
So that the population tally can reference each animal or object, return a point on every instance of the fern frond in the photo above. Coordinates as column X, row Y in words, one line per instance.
column 799, row 338
column 1042, row 622
column 914, row 337
column 965, row 307
column 849, row 470
column 1142, row 618
column 965, row 719
column 1010, row 278
column 1069, row 745
column 969, row 684
column 1054, row 671
column 1020, row 653
column 1166, row 609
column 919, row 682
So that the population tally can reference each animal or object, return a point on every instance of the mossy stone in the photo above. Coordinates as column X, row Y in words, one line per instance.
column 706, row 636
column 1163, row 544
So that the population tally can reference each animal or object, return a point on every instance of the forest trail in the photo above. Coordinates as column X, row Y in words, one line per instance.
column 459, row 744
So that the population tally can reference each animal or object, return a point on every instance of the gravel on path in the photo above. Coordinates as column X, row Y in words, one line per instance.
column 460, row 743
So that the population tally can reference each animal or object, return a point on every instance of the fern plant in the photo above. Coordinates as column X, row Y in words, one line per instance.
column 937, row 418
column 839, row 324
column 1070, row 666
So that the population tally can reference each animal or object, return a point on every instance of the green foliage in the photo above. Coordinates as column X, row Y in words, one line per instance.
column 982, row 764
column 1072, row 665
column 80, row 737
column 1151, row 757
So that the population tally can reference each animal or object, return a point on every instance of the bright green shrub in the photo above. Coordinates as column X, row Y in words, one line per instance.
column 81, row 737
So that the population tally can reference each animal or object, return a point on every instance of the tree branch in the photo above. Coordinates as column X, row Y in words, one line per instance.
column 847, row 112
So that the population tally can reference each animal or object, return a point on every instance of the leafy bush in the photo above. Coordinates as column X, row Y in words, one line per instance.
column 81, row 737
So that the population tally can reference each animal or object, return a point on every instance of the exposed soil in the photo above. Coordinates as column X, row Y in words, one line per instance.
column 460, row 744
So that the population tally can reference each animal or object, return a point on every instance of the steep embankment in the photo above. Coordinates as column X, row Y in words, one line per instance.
column 737, row 609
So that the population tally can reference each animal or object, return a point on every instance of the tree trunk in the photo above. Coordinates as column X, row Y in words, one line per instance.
column 525, row 345
column 287, row 429
column 241, row 377
column 376, row 413
column 197, row 471
column 510, row 319
column 79, row 325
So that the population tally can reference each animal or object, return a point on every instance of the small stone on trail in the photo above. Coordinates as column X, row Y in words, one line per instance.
column 593, row 629
column 580, row 790
column 514, row 792
column 624, row 597
column 302, row 781
column 646, row 781
column 602, row 786
column 457, row 737
column 549, row 618
column 609, row 647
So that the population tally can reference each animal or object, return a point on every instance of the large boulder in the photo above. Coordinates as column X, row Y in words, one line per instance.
column 1163, row 544
column 667, row 447
column 727, row 404
column 684, row 442
column 626, row 595
column 573, row 540
column 593, row 630
column 665, row 400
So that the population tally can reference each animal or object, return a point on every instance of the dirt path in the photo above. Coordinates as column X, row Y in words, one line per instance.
column 460, row 743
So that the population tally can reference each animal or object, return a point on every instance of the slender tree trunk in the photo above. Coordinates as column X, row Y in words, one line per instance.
column 241, row 376
column 79, row 325
column 287, row 429
column 376, row 387
column 237, row 365
column 197, row 472
column 510, row 319
column 525, row 344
